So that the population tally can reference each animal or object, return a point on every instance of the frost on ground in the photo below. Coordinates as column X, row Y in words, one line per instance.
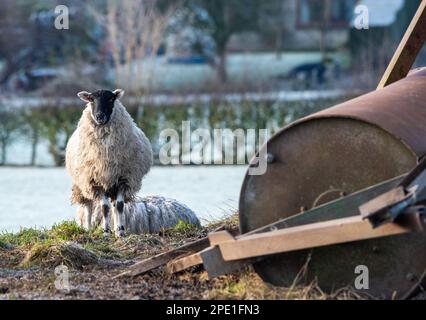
column 50, row 190
column 28, row 260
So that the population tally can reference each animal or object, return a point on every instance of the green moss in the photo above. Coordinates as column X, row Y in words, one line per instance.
column 48, row 247
column 45, row 247
column 25, row 237
column 68, row 231
column 182, row 228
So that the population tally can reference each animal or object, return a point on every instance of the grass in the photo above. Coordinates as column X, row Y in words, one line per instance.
column 66, row 231
column 67, row 243
column 42, row 247
column 3, row 245
column 25, row 237
column 247, row 285
column 31, row 247
column 183, row 227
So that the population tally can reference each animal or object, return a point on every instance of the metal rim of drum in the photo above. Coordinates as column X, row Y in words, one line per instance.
column 343, row 148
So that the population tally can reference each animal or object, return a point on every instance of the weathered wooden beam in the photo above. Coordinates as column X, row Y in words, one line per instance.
column 340, row 208
column 196, row 258
column 163, row 258
column 184, row 263
column 408, row 49
column 218, row 237
column 307, row 236
column 389, row 205
column 382, row 203
column 214, row 263
column 343, row 207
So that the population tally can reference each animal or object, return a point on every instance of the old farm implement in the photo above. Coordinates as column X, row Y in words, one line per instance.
column 336, row 194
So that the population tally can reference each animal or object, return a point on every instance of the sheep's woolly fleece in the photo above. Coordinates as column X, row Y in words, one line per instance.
column 103, row 156
column 149, row 214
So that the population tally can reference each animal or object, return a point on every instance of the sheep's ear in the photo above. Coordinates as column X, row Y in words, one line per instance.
column 119, row 93
column 85, row 96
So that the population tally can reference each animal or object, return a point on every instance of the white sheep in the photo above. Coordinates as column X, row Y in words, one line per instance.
column 149, row 214
column 107, row 156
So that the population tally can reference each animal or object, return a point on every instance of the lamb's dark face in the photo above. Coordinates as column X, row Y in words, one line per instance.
column 101, row 104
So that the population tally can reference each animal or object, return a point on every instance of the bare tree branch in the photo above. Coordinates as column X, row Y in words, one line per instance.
column 135, row 30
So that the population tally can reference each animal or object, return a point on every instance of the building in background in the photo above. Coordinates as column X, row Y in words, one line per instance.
column 307, row 25
column 310, row 25
column 372, row 49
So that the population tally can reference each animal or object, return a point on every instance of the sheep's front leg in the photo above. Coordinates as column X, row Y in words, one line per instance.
column 119, row 218
column 106, row 206
column 87, row 221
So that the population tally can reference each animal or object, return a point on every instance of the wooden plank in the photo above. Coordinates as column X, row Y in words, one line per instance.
column 184, row 263
column 308, row 236
column 163, row 258
column 340, row 208
column 408, row 49
column 382, row 202
column 215, row 265
column 217, row 237
column 388, row 206
column 343, row 207
column 212, row 260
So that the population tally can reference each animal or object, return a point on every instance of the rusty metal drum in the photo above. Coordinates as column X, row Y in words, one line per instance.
column 333, row 153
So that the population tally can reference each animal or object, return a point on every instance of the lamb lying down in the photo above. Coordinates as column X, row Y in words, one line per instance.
column 149, row 214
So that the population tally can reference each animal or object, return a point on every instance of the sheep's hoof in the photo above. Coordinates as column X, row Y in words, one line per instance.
column 107, row 232
column 119, row 232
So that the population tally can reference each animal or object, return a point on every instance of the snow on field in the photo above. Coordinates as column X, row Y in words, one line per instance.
column 40, row 197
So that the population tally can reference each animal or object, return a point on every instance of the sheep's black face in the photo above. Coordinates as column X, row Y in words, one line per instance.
column 101, row 103
column 102, row 106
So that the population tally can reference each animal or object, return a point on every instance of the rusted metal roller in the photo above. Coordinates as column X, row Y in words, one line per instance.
column 333, row 153
column 366, row 151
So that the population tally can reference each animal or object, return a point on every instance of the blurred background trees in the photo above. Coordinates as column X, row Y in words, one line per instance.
column 162, row 52
column 139, row 44
column 134, row 32
column 10, row 127
column 220, row 20
column 28, row 39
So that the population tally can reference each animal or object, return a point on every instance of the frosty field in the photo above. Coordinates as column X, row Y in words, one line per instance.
column 40, row 197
